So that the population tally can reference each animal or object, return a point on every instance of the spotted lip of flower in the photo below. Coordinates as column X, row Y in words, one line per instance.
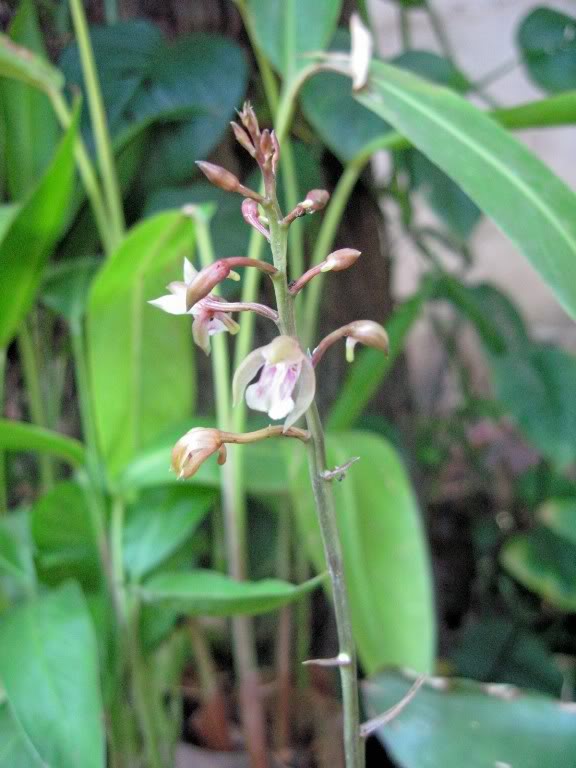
column 287, row 382
column 207, row 321
column 193, row 448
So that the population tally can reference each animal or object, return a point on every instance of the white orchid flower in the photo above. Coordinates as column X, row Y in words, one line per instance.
column 286, row 385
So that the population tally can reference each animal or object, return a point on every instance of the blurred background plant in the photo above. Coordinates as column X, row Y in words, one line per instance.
column 459, row 522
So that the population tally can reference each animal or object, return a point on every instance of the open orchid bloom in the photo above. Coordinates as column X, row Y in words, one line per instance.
column 207, row 322
column 193, row 448
column 286, row 385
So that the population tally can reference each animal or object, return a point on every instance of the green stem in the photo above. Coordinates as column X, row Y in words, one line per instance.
column 31, row 373
column 440, row 33
column 234, row 511
column 87, row 172
column 99, row 122
column 3, row 483
column 405, row 28
column 353, row 746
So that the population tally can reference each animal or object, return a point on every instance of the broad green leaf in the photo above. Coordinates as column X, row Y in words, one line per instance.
column 371, row 367
column 547, row 41
column 7, row 213
column 34, row 230
column 452, row 723
column 30, row 123
column 179, row 90
column 16, row 549
column 385, row 554
column 265, row 466
column 64, row 536
column 160, row 521
column 19, row 63
column 288, row 30
column 544, row 563
column 49, row 668
column 140, row 358
column 497, row 650
column 66, row 287
column 20, row 436
column 560, row 516
column 15, row 749
column 209, row 593
column 527, row 201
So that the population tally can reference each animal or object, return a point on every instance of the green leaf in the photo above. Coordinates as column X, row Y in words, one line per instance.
column 15, row 750
column 16, row 549
column 19, row 63
column 34, row 230
column 140, row 357
column 544, row 563
column 30, row 123
column 288, row 30
column 209, row 593
column 64, row 536
column 498, row 650
column 547, row 41
column 559, row 515
column 385, row 554
column 20, row 436
column 265, row 467
column 433, row 67
column 452, row 723
column 371, row 367
column 527, row 201
column 180, row 89
column 159, row 522
column 49, row 668
column 66, row 287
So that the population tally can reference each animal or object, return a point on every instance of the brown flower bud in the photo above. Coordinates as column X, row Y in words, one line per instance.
column 243, row 139
column 276, row 152
column 249, row 121
column 251, row 216
column 218, row 176
column 193, row 448
column 205, row 281
column 365, row 332
column 341, row 259
column 317, row 199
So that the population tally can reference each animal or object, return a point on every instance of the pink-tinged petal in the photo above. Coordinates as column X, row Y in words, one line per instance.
column 231, row 324
column 281, row 408
column 189, row 271
column 174, row 305
column 245, row 372
column 200, row 333
column 215, row 325
column 306, row 389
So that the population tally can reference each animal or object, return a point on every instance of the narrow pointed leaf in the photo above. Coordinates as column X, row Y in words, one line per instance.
column 209, row 593
column 523, row 196
column 20, row 436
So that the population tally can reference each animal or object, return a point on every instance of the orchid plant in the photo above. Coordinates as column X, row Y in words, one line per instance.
column 286, row 385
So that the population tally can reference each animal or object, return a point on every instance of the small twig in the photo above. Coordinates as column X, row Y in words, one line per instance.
column 374, row 723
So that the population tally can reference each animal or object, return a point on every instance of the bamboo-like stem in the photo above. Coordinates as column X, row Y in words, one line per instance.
column 284, row 655
column 234, row 512
column 87, row 173
column 99, row 122
column 31, row 374
column 353, row 746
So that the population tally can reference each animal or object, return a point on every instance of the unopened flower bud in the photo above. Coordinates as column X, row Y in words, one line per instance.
column 249, row 120
column 317, row 199
column 193, row 448
column 275, row 152
column 365, row 332
column 341, row 259
column 225, row 180
column 251, row 216
column 218, row 176
column 243, row 139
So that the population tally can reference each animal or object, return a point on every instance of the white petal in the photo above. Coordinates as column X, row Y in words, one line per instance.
column 281, row 408
column 189, row 271
column 200, row 334
column 177, row 287
column 245, row 372
column 361, row 52
column 306, row 387
column 174, row 305
column 257, row 399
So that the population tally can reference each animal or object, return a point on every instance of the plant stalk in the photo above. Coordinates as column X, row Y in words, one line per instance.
column 353, row 746
column 99, row 123
column 3, row 475
column 234, row 512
